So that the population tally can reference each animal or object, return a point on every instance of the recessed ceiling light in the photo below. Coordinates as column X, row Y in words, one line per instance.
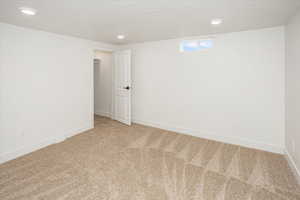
column 28, row 11
column 121, row 37
column 215, row 22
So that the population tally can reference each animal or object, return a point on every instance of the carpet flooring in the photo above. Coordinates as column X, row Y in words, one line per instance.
column 117, row 162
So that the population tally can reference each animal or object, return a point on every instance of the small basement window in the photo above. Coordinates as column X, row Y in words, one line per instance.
column 195, row 45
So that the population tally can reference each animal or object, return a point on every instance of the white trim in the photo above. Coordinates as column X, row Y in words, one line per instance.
column 28, row 149
column 79, row 130
column 33, row 147
column 292, row 165
column 103, row 113
column 112, row 106
column 214, row 136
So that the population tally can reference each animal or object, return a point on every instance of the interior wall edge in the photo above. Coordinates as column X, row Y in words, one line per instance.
column 217, row 137
column 195, row 37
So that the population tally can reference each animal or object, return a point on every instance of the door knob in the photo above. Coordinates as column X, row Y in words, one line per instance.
column 127, row 87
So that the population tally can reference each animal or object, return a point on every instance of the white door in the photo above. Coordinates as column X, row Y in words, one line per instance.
column 122, row 86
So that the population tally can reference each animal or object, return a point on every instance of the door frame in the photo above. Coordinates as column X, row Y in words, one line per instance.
column 92, row 88
column 112, row 105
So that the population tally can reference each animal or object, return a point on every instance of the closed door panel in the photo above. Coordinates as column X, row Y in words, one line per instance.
column 122, row 86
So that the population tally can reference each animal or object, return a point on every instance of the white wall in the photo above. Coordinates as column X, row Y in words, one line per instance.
column 46, row 88
column 233, row 92
column 293, row 90
column 103, row 84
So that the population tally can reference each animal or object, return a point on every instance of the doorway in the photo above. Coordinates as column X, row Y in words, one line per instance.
column 102, row 83
column 112, row 85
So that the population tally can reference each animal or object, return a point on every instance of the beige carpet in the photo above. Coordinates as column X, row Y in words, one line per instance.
column 114, row 161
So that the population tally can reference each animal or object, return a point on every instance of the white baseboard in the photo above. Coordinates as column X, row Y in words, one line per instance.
column 79, row 130
column 216, row 137
column 293, row 165
column 51, row 140
column 28, row 149
column 103, row 113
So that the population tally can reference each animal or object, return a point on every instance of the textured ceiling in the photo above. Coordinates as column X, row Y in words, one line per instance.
column 146, row 20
